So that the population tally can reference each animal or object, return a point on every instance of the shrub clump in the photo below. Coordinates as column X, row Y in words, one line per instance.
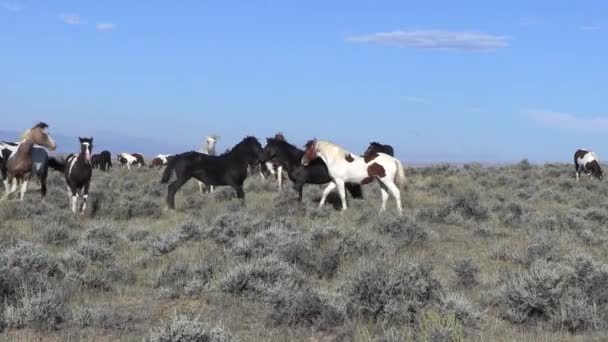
column 305, row 307
column 258, row 278
column 184, row 328
column 466, row 271
column 394, row 292
column 401, row 228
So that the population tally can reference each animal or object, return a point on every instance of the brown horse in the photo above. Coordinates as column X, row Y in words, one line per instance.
column 19, row 165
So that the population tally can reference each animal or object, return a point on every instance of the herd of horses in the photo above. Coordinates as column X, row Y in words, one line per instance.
column 320, row 162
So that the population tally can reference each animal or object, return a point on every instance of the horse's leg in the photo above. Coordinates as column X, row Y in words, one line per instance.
column 342, row 192
column 384, row 195
column 172, row 189
column 392, row 187
column 7, row 184
column 240, row 193
column 74, row 201
column 85, row 196
column 200, row 187
column 43, row 186
column 211, row 188
column 280, row 177
column 330, row 187
column 24, row 184
column 299, row 188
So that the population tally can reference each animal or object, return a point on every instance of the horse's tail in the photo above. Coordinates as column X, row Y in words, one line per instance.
column 56, row 165
column 168, row 170
column 400, row 177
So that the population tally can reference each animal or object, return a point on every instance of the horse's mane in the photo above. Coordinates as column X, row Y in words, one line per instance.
column 330, row 149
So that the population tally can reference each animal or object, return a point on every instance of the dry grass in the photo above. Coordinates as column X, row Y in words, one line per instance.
column 501, row 254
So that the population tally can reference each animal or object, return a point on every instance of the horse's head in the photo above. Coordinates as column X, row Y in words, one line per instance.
column 271, row 150
column 596, row 170
column 86, row 146
column 310, row 152
column 279, row 136
column 252, row 148
column 371, row 149
column 39, row 136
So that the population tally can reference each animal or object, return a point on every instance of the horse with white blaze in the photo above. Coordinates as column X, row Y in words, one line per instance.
column 344, row 166
column 78, row 171
column 588, row 162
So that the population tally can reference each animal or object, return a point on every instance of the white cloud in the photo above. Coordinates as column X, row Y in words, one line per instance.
column 11, row 6
column 105, row 26
column 71, row 19
column 591, row 28
column 566, row 120
column 435, row 39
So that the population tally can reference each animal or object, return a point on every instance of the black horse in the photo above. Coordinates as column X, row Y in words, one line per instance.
column 78, row 171
column 227, row 169
column 290, row 158
column 95, row 161
column 376, row 147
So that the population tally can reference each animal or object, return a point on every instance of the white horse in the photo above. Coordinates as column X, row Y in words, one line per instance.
column 208, row 148
column 344, row 166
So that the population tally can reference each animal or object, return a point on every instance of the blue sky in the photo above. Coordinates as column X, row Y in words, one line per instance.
column 439, row 80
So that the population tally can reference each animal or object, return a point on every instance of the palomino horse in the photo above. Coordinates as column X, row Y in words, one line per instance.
column 290, row 158
column 78, row 171
column 21, row 164
column 343, row 167
column 208, row 148
column 227, row 169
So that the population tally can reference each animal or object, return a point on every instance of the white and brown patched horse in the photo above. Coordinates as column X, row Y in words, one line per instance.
column 78, row 171
column 344, row 166
column 160, row 160
column 26, row 160
column 208, row 148
column 127, row 159
column 587, row 162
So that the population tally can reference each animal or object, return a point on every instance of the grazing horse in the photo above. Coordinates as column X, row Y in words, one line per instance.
column 140, row 159
column 290, row 158
column 208, row 148
column 78, row 171
column 95, row 161
column 376, row 147
column 588, row 162
column 159, row 160
column 126, row 159
column 105, row 160
column 227, row 169
column 26, row 160
column 343, row 167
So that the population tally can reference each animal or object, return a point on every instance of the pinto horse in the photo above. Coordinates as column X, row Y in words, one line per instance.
column 290, row 158
column 344, row 167
column 22, row 163
column 160, row 160
column 127, row 159
column 587, row 162
column 78, row 171
column 227, row 169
